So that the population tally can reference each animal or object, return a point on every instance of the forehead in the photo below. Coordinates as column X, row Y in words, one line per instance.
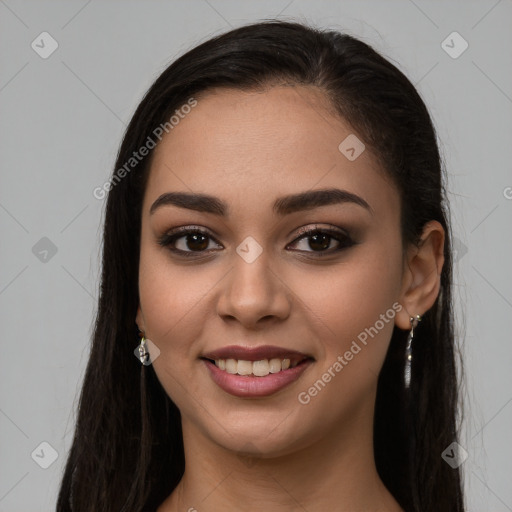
column 249, row 147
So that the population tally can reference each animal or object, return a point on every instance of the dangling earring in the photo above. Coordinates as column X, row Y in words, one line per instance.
column 143, row 351
column 408, row 350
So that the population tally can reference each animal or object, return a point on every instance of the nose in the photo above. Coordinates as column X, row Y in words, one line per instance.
column 254, row 294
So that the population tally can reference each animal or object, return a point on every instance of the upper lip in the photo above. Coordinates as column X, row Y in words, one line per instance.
column 256, row 353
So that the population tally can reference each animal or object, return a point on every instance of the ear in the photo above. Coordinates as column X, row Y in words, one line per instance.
column 421, row 279
column 139, row 319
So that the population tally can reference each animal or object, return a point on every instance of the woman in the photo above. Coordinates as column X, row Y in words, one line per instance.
column 277, row 251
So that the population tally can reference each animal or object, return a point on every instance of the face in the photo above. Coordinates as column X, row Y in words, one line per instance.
column 319, row 280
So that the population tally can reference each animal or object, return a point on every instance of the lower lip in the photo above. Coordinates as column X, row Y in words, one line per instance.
column 248, row 386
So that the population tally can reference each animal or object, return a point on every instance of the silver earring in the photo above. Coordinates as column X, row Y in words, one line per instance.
column 408, row 350
column 143, row 351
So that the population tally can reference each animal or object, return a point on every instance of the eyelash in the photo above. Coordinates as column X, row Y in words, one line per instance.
column 171, row 237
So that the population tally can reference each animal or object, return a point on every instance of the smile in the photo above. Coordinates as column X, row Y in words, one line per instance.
column 260, row 368
column 255, row 372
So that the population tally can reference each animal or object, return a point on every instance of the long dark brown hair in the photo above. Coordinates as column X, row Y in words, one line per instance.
column 127, row 451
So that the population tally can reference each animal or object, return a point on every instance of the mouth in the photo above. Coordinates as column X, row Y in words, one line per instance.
column 255, row 372
column 256, row 361
column 260, row 368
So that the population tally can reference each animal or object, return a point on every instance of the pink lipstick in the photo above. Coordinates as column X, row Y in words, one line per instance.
column 257, row 371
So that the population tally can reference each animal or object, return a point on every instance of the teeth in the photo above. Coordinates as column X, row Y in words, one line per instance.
column 275, row 365
column 244, row 367
column 260, row 368
column 231, row 365
column 257, row 368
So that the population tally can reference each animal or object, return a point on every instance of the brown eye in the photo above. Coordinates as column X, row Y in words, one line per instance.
column 195, row 242
column 190, row 242
column 186, row 242
column 321, row 241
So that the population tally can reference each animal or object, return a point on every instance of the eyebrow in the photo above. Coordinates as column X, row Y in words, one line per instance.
column 282, row 206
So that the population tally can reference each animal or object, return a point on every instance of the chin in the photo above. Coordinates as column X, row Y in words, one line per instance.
column 263, row 439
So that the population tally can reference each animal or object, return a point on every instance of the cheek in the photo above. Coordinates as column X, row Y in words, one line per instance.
column 351, row 305
column 172, row 297
column 174, row 300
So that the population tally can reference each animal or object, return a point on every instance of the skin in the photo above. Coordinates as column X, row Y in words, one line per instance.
column 275, row 453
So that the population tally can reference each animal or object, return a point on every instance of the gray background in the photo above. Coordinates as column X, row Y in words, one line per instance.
column 62, row 119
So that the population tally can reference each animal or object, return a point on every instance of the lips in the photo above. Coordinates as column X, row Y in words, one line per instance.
column 255, row 372
column 256, row 353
